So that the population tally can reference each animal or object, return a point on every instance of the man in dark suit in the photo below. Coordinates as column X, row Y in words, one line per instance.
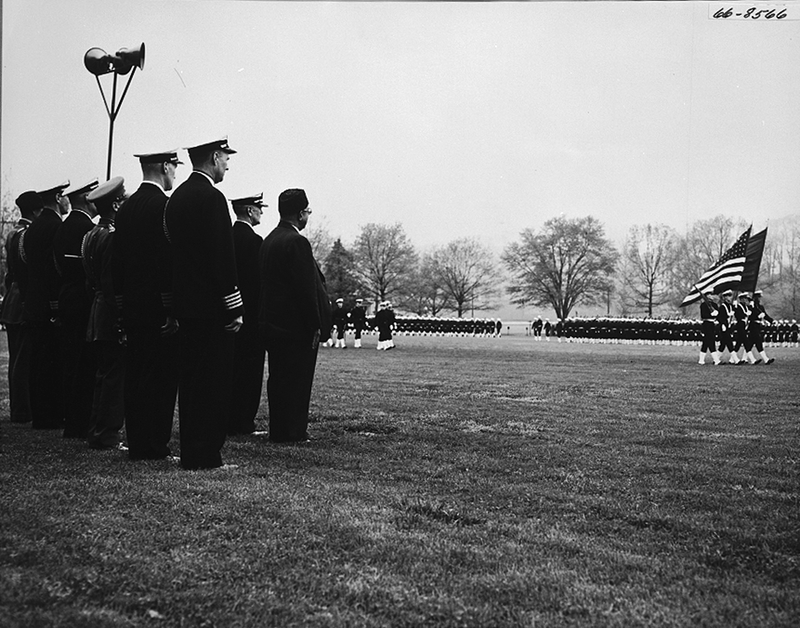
column 74, row 302
column 40, row 310
column 108, row 415
column 249, row 355
column 142, row 273
column 294, row 316
column 207, row 303
column 19, row 357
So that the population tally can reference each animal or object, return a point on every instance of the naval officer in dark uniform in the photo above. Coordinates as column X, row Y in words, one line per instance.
column 249, row 354
column 40, row 310
column 207, row 303
column 78, row 365
column 142, row 273
column 19, row 356
column 108, row 416
column 294, row 316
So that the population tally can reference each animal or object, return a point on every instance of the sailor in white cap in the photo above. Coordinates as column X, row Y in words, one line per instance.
column 741, row 313
column 725, row 318
column 358, row 316
column 340, row 317
column 758, row 318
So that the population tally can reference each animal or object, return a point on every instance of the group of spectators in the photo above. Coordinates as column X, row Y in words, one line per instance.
column 119, row 305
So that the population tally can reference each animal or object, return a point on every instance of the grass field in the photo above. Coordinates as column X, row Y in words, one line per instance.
column 451, row 482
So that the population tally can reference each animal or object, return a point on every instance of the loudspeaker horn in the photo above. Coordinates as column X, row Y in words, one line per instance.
column 127, row 58
column 97, row 61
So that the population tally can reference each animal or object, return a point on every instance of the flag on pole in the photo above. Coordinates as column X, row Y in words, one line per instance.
column 725, row 274
column 752, row 263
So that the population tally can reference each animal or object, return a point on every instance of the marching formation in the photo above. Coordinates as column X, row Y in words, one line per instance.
column 733, row 328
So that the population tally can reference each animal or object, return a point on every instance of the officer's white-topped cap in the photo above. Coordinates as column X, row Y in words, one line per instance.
column 55, row 189
column 168, row 156
column 727, row 293
column 340, row 300
column 256, row 199
column 108, row 191
column 757, row 293
column 84, row 189
column 217, row 144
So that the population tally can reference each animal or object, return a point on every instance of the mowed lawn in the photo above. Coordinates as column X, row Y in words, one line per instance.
column 450, row 482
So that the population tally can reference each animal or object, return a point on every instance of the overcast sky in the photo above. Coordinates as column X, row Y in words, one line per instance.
column 455, row 119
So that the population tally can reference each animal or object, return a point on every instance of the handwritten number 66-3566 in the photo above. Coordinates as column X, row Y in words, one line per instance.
column 752, row 13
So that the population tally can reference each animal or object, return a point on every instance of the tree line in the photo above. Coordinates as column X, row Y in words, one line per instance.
column 567, row 262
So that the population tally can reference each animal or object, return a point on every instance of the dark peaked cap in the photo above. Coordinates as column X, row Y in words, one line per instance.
column 257, row 200
column 29, row 201
column 55, row 189
column 169, row 156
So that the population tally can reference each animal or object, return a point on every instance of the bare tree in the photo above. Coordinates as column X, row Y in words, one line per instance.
column 784, row 280
column 569, row 262
column 427, row 296
column 8, row 218
column 701, row 247
column 320, row 238
column 648, row 259
column 385, row 261
column 467, row 274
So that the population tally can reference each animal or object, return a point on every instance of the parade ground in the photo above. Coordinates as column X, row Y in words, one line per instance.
column 450, row 482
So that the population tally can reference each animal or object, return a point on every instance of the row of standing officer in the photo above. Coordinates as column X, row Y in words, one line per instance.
column 155, row 262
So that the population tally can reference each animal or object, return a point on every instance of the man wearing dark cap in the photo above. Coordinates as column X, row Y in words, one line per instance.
column 294, row 316
column 249, row 355
column 103, row 332
column 74, row 301
column 19, row 355
column 142, row 274
column 207, row 303
column 40, row 310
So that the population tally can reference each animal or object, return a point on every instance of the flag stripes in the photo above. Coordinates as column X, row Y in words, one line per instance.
column 725, row 274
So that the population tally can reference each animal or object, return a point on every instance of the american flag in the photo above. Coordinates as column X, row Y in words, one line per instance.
column 725, row 274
